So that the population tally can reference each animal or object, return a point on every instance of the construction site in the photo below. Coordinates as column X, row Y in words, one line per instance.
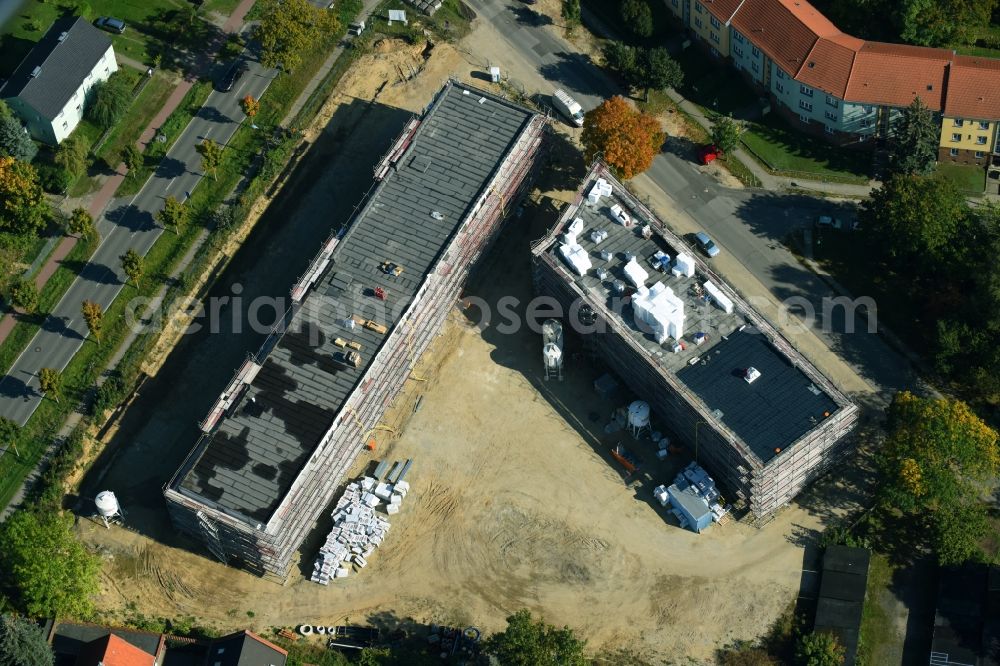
column 759, row 415
column 277, row 442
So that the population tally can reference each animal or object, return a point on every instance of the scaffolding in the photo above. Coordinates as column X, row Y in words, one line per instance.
column 268, row 548
column 765, row 486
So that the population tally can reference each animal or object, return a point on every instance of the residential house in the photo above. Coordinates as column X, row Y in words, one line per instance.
column 49, row 89
column 971, row 112
column 848, row 89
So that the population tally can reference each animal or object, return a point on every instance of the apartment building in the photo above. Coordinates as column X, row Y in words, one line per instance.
column 844, row 88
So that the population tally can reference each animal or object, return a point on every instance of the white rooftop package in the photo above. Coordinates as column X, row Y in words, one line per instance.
column 576, row 257
column 636, row 274
column 720, row 299
column 661, row 309
column 683, row 265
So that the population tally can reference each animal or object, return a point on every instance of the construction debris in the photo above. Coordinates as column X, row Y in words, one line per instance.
column 357, row 529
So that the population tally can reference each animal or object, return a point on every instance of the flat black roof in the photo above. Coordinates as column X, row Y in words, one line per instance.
column 842, row 595
column 774, row 411
column 247, row 464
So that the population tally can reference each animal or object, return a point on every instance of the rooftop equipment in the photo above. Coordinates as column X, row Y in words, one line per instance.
column 552, row 348
column 108, row 507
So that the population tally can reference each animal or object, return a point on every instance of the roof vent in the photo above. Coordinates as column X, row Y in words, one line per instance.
column 62, row 36
column 437, row 216
column 36, row 71
column 930, row 86
column 811, row 64
column 752, row 374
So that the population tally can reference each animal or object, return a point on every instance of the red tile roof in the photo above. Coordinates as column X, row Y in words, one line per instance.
column 895, row 75
column 786, row 30
column 828, row 66
column 973, row 89
column 722, row 9
column 113, row 651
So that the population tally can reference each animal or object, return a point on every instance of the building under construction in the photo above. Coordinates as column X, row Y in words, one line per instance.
column 282, row 434
column 751, row 408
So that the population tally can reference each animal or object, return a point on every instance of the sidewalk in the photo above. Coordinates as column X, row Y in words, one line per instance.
column 107, row 191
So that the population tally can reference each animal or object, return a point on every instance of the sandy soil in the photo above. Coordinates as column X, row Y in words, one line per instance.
column 515, row 501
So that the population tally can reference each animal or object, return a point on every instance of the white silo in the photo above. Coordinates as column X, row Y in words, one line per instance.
column 638, row 417
column 108, row 507
column 552, row 347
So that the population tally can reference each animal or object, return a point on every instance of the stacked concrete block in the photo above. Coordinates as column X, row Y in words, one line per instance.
column 357, row 528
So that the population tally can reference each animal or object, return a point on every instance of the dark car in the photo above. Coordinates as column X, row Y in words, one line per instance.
column 111, row 24
column 234, row 74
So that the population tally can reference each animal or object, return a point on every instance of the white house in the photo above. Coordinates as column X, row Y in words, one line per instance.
column 49, row 89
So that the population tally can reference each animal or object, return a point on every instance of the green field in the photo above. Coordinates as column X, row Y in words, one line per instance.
column 786, row 150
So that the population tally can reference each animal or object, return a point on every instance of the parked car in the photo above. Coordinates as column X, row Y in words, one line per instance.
column 706, row 244
column 111, row 24
column 827, row 222
column 234, row 74
column 709, row 153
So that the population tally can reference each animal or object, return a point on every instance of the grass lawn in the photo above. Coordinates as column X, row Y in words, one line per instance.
column 788, row 151
column 968, row 177
column 878, row 632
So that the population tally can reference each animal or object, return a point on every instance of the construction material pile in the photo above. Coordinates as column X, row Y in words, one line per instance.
column 357, row 529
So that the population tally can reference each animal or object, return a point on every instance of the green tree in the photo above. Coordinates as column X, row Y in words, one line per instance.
column 624, row 137
column 621, row 59
column 72, row 155
column 132, row 265
column 638, row 16
column 9, row 432
column 819, row 649
column 23, row 208
column 915, row 217
column 939, row 22
column 23, row 643
column 174, row 215
column 571, row 12
column 211, row 156
column 288, row 29
column 51, row 572
column 726, row 133
column 80, row 223
column 913, row 149
column 132, row 157
column 658, row 71
column 534, row 643
column 50, row 381
column 15, row 140
column 94, row 316
column 24, row 294
column 109, row 100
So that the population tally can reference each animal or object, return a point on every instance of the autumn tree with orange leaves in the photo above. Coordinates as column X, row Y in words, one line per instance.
column 626, row 139
column 938, row 462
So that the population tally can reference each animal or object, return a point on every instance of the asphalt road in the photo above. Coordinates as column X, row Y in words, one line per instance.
column 127, row 223
column 751, row 225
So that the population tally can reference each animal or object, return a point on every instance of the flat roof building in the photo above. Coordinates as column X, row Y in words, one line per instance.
column 277, row 442
column 753, row 410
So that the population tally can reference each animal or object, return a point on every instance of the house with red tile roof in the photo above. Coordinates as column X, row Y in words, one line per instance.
column 848, row 89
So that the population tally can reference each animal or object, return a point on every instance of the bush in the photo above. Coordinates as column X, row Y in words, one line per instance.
column 110, row 393
column 54, row 179
column 110, row 101
column 14, row 140
column 638, row 16
column 24, row 294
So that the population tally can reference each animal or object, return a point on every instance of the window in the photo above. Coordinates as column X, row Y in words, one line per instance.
column 981, row 140
column 78, row 107
column 959, row 122
column 806, row 90
column 698, row 8
column 697, row 23
column 781, row 73
column 755, row 51
column 780, row 88
column 979, row 154
column 675, row 3
column 956, row 137
column 953, row 152
column 737, row 36
column 738, row 51
column 828, row 129
column 862, row 138
column 830, row 115
column 715, row 22
column 865, row 122
column 832, row 101
column 65, row 125
column 868, row 109
column 107, row 70
column 984, row 125
column 755, row 67
column 714, row 37
column 805, row 105
column 804, row 119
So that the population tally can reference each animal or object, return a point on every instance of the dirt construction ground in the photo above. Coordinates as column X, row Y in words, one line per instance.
column 515, row 501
